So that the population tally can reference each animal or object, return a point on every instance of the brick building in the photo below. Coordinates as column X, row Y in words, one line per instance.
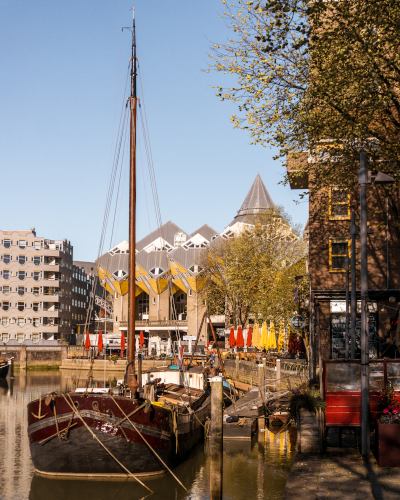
column 328, row 233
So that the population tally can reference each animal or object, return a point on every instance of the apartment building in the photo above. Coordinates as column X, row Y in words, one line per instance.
column 168, row 280
column 42, row 293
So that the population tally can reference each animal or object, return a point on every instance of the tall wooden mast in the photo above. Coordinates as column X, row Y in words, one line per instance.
column 132, row 208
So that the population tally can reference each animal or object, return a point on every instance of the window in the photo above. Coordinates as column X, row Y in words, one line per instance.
column 156, row 271
column 22, row 243
column 20, row 321
column 190, row 292
column 7, row 243
column 36, row 291
column 21, row 275
column 20, row 337
column 5, row 320
column 36, row 322
column 36, row 275
column 5, row 337
column 21, row 290
column 337, row 255
column 339, row 203
column 6, row 290
column 36, row 245
column 21, row 259
column 36, row 260
column 35, row 306
column 35, row 337
column 6, row 306
column 179, row 239
column 6, row 274
column 6, row 258
column 153, row 300
column 21, row 306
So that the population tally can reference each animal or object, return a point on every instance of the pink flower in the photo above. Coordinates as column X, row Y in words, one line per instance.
column 385, row 410
column 394, row 411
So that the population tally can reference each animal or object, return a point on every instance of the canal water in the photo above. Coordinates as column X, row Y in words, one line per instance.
column 252, row 470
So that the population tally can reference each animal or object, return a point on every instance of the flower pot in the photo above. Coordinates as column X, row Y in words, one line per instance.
column 387, row 444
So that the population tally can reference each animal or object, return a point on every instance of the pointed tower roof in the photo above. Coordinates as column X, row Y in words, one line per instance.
column 257, row 199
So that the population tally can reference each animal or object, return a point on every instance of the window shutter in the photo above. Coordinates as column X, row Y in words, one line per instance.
column 17, row 242
column 31, row 275
column 26, row 289
column 11, row 243
column 10, row 257
column 31, row 290
column 1, row 257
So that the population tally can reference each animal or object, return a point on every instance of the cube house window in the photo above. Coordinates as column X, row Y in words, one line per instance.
column 21, row 259
column 337, row 255
column 339, row 203
column 36, row 260
column 36, row 245
column 36, row 290
column 20, row 321
column 6, row 258
column 21, row 275
column 35, row 337
column 21, row 290
column 35, row 306
column 6, row 274
column 7, row 243
column 5, row 337
column 6, row 290
column 36, row 322
column 36, row 275
column 20, row 337
column 6, row 306
column 22, row 243
column 5, row 321
column 21, row 306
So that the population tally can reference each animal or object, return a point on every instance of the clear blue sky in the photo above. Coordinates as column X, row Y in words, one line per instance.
column 59, row 78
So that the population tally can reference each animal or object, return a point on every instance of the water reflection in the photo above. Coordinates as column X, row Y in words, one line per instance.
column 252, row 469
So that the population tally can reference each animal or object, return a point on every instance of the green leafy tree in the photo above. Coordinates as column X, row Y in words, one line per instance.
column 318, row 80
column 251, row 273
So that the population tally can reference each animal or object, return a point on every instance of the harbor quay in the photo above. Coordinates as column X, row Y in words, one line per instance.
column 341, row 473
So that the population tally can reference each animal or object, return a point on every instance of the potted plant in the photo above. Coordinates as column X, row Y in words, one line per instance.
column 387, row 430
column 306, row 408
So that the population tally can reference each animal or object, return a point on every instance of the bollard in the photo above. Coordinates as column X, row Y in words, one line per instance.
column 278, row 375
column 216, row 438
column 261, row 381
column 237, row 367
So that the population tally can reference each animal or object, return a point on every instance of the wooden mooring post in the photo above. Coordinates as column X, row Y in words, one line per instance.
column 278, row 375
column 216, row 438
column 10, row 374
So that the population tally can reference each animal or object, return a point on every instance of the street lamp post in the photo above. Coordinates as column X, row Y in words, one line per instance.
column 363, row 181
column 364, row 178
column 354, row 230
column 347, row 353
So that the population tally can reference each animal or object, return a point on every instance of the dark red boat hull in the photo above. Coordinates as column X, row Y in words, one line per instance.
column 81, row 454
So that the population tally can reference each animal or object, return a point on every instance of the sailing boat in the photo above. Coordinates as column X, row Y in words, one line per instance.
column 150, row 426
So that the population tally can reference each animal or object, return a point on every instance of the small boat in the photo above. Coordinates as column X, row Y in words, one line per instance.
column 4, row 367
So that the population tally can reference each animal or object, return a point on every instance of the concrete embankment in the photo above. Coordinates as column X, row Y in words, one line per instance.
column 28, row 357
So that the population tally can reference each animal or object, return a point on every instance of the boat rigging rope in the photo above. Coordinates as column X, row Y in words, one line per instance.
column 75, row 410
column 148, row 444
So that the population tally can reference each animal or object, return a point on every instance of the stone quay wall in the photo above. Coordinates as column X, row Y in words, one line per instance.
column 28, row 356
column 247, row 372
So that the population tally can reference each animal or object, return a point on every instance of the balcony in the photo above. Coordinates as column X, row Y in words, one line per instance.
column 52, row 307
